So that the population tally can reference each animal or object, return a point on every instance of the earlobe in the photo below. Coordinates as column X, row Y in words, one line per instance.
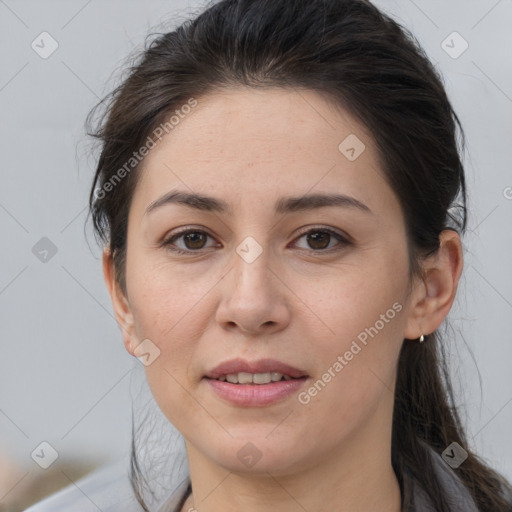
column 120, row 304
column 435, row 297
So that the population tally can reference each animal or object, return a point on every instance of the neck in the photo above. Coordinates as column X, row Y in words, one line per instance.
column 357, row 477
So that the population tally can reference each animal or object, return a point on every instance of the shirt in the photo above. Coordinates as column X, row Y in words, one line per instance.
column 109, row 490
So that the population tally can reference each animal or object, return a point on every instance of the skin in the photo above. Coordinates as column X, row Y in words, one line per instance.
column 292, row 303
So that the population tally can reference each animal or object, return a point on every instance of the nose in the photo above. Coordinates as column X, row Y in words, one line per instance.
column 254, row 299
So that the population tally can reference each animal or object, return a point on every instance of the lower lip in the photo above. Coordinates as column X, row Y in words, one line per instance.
column 256, row 394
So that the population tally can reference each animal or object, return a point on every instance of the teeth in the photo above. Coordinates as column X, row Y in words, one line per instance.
column 254, row 378
column 244, row 378
column 262, row 378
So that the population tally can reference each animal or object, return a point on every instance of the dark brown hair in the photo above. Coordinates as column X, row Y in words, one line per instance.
column 360, row 58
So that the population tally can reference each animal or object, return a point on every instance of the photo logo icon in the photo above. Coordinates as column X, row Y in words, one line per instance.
column 249, row 454
column 146, row 352
column 44, row 250
column 352, row 147
column 44, row 45
column 454, row 45
column 454, row 455
column 249, row 250
column 44, row 455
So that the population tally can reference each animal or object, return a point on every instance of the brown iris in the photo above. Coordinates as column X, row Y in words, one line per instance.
column 195, row 238
column 319, row 237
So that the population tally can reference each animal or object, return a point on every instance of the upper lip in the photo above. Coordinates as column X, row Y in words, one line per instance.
column 234, row 366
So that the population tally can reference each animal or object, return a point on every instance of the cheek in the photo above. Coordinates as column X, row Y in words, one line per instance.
column 355, row 379
column 363, row 300
column 172, row 397
column 170, row 309
column 363, row 308
column 170, row 305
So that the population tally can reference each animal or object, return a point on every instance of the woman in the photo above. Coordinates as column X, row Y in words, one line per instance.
column 281, row 196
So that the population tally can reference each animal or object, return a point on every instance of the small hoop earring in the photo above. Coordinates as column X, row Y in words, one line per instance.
column 422, row 338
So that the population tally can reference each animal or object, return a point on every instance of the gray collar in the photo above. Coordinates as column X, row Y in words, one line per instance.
column 458, row 497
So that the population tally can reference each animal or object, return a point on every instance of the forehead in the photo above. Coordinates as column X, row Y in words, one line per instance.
column 263, row 143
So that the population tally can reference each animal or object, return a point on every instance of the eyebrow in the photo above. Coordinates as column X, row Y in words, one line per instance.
column 283, row 205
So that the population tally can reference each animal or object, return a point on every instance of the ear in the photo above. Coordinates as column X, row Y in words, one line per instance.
column 122, row 310
column 433, row 298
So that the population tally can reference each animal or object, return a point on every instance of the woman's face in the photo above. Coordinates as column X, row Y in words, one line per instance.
column 321, row 289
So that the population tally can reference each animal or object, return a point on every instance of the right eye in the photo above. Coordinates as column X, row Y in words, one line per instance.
column 194, row 240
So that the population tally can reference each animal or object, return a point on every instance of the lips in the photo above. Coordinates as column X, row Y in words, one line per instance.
column 255, row 384
column 262, row 366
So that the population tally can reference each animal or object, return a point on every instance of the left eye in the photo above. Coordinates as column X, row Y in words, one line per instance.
column 319, row 240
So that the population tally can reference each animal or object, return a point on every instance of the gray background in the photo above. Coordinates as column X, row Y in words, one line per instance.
column 64, row 373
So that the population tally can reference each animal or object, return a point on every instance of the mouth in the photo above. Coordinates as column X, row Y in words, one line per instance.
column 254, row 378
column 257, row 384
column 264, row 371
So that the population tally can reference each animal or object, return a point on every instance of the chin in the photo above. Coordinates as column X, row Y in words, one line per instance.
column 257, row 455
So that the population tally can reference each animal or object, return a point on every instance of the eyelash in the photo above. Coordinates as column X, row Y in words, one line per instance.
column 167, row 244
